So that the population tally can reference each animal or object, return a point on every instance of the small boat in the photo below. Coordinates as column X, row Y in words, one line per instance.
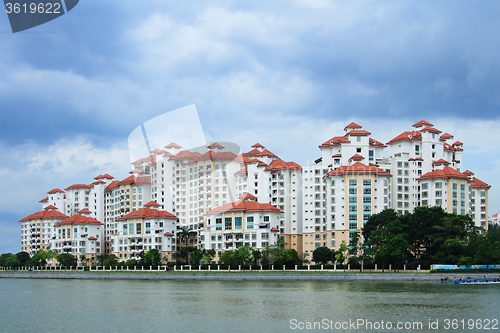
column 476, row 281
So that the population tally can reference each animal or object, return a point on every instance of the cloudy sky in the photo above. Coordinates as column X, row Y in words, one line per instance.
column 287, row 74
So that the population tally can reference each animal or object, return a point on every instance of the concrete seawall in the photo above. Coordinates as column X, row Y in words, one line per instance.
column 237, row 276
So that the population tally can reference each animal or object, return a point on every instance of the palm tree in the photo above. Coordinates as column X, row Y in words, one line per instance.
column 183, row 235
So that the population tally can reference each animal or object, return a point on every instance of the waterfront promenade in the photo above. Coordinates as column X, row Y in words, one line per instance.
column 235, row 275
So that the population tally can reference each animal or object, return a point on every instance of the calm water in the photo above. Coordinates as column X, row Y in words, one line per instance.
column 219, row 306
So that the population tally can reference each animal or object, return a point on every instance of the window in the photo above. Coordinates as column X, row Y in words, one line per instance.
column 218, row 224
column 228, row 223
column 266, row 218
column 249, row 222
column 238, row 222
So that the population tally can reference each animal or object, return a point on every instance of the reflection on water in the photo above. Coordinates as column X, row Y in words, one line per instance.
column 229, row 306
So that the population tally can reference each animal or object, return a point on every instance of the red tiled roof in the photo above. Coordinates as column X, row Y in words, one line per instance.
column 358, row 132
column 111, row 186
column 78, row 219
column 45, row 215
column 407, row 136
column 84, row 211
column 445, row 136
column 479, row 183
column 50, row 207
column 440, row 161
column 458, row 143
column 243, row 159
column 186, row 155
column 173, row 145
column 152, row 204
column 275, row 229
column 242, row 172
column 223, row 155
column 422, row 123
column 79, row 186
column 137, row 171
column 337, row 155
column 247, row 196
column 374, row 142
column 133, row 180
column 358, row 168
column 446, row 173
column 150, row 159
column 105, row 176
column 430, row 129
column 99, row 182
column 468, row 173
column 356, row 157
column 352, row 125
column 215, row 145
column 56, row 190
column 92, row 238
column 335, row 141
column 253, row 152
column 168, row 234
column 244, row 206
column 278, row 165
column 258, row 145
column 266, row 152
column 148, row 213
column 158, row 151
column 44, row 199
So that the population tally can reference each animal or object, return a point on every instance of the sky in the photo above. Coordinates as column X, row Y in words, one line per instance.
column 287, row 74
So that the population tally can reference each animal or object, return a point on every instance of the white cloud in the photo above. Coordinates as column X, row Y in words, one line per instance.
column 30, row 170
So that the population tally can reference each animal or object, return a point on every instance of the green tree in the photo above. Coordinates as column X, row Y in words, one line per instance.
column 66, row 259
column 152, row 257
column 242, row 255
column 12, row 262
column 3, row 257
column 322, row 255
column 111, row 261
column 226, row 258
column 41, row 256
column 256, row 255
column 185, row 251
column 356, row 248
column 340, row 254
column 24, row 259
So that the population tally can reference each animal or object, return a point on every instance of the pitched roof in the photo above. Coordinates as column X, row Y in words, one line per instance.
column 242, row 172
column 137, row 171
column 266, row 152
column 446, row 173
column 356, row 157
column 98, row 182
column 374, row 142
column 215, row 145
column 278, row 165
column 78, row 219
column 173, row 145
column 92, row 238
column 49, row 214
column 148, row 213
column 44, row 199
column 430, row 129
column 112, row 185
column 84, row 211
column 440, row 161
column 358, row 168
column 244, row 206
column 479, row 183
column 158, row 151
column 150, row 159
column 468, row 173
column 258, row 145
column 253, row 152
column 247, row 196
column 152, row 204
column 133, row 180
column 56, row 190
column 358, row 132
column 168, row 234
column 105, row 176
column 352, row 125
column 445, row 136
column 407, row 136
column 422, row 123
column 79, row 186
column 458, row 143
column 335, row 141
